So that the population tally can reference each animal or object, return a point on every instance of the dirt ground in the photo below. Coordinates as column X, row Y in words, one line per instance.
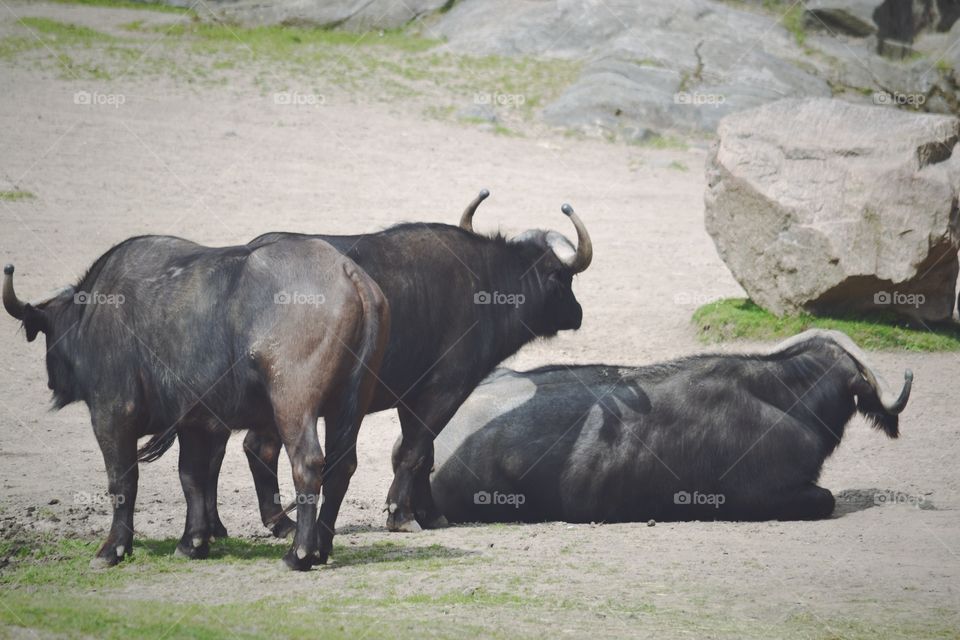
column 220, row 164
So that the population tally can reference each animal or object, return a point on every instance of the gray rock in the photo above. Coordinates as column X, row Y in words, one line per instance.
column 661, row 66
column 828, row 206
column 651, row 67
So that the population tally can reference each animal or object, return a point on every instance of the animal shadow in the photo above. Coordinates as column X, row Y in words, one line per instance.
column 343, row 554
column 854, row 500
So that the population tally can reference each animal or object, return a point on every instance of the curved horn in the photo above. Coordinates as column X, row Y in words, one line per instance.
column 891, row 404
column 466, row 220
column 11, row 303
column 584, row 247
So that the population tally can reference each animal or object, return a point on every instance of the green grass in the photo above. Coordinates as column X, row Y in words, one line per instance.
column 280, row 41
column 678, row 166
column 389, row 65
column 739, row 318
column 14, row 195
column 145, row 5
column 794, row 21
column 55, row 38
column 663, row 142
column 64, row 32
column 48, row 587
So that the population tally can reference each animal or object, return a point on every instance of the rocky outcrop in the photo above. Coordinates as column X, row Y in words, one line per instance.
column 681, row 66
column 830, row 207
column 676, row 66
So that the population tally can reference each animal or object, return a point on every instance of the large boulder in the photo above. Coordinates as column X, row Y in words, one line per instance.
column 831, row 207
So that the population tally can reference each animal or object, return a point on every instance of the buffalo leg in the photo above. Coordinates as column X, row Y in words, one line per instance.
column 299, row 436
column 410, row 500
column 807, row 503
column 118, row 444
column 195, row 452
column 339, row 468
column 218, row 446
column 263, row 453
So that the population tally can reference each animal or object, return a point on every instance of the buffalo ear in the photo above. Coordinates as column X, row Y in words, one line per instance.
column 34, row 321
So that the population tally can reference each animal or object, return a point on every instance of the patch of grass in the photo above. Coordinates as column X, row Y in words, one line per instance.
column 943, row 66
column 48, row 562
column 279, row 41
column 134, row 25
column 663, row 142
column 13, row 195
column 48, row 586
column 64, row 32
column 739, row 318
column 800, row 625
column 794, row 21
column 147, row 5
column 54, row 38
column 275, row 617
column 389, row 65
column 678, row 166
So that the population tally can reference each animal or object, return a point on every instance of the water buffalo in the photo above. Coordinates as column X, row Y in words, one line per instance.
column 168, row 338
column 460, row 303
column 739, row 437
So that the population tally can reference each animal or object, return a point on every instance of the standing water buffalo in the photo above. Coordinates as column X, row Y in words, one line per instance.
column 166, row 337
column 739, row 437
column 460, row 303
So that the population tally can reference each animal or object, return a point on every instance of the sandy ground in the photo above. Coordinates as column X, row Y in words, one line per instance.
column 220, row 165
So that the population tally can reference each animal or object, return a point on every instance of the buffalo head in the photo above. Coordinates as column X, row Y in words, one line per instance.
column 548, row 262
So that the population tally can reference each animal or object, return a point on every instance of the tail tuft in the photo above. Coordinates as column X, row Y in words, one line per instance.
column 157, row 446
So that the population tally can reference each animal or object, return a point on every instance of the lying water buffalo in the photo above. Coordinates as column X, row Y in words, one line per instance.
column 166, row 337
column 460, row 303
column 739, row 437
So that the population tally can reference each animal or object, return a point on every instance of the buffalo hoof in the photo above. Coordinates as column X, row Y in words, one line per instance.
column 218, row 532
column 299, row 559
column 110, row 555
column 193, row 548
column 323, row 557
column 284, row 528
